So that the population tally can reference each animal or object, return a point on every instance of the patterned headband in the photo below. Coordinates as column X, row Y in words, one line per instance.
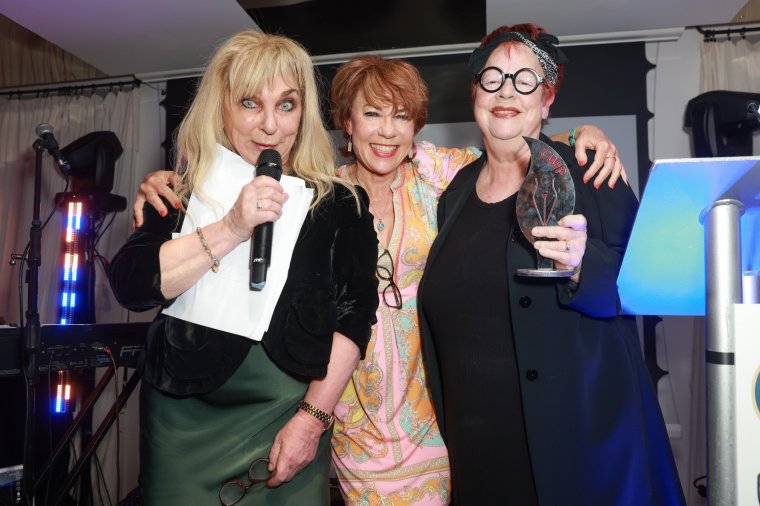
column 544, row 47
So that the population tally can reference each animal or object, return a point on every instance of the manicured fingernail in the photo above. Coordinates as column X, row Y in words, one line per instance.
column 176, row 205
column 585, row 180
column 582, row 164
column 597, row 185
column 163, row 212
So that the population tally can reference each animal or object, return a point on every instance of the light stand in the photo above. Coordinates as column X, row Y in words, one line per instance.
column 92, row 158
column 32, row 332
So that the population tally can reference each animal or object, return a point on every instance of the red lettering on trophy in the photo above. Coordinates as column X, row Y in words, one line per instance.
column 555, row 162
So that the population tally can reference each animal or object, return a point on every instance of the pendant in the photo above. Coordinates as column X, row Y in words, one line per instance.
column 380, row 226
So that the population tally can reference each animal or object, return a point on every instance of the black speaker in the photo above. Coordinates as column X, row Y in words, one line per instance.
column 722, row 123
column 92, row 158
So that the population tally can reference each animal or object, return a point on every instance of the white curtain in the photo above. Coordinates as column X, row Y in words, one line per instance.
column 732, row 65
column 72, row 116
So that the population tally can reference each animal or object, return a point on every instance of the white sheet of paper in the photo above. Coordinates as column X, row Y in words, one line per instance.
column 223, row 300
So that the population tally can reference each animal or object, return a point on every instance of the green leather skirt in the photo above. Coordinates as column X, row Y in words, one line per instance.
column 191, row 446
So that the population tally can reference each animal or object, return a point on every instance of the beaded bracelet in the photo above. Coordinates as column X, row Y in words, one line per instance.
column 215, row 266
column 571, row 139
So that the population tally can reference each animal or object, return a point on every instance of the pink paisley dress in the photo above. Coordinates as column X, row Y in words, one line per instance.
column 387, row 449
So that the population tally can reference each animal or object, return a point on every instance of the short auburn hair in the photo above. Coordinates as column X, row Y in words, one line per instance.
column 383, row 82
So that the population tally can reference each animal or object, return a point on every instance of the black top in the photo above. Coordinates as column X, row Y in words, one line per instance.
column 488, row 454
column 590, row 409
column 331, row 287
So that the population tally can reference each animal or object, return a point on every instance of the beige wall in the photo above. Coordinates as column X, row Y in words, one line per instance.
column 28, row 59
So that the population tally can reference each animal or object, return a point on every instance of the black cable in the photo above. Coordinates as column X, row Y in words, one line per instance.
column 98, row 233
column 104, row 262
column 118, row 426
column 101, row 480
column 50, row 431
column 701, row 487
column 75, row 458
column 28, row 433
column 107, row 351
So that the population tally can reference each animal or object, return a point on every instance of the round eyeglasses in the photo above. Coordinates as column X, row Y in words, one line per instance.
column 525, row 81
column 234, row 490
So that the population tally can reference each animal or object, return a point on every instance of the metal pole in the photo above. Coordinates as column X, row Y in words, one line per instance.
column 32, row 330
column 723, row 285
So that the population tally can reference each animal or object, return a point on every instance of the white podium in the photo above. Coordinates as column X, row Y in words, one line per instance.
column 697, row 231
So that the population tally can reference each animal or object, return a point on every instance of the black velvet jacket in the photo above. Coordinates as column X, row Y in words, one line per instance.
column 331, row 287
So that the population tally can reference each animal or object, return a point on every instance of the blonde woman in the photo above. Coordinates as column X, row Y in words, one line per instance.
column 221, row 412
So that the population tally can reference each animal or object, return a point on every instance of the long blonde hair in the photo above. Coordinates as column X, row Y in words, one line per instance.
column 242, row 66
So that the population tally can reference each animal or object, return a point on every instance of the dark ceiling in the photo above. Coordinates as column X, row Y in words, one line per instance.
column 334, row 26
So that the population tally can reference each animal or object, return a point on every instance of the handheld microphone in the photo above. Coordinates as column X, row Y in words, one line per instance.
column 269, row 164
column 45, row 133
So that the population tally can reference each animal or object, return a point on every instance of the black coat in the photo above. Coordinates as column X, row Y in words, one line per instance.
column 595, row 432
column 331, row 287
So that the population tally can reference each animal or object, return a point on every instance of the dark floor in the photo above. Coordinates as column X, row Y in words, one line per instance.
column 133, row 498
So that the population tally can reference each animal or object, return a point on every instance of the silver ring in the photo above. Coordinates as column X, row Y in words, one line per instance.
column 567, row 247
column 258, row 205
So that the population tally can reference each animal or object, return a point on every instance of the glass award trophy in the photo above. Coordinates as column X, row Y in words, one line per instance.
column 546, row 196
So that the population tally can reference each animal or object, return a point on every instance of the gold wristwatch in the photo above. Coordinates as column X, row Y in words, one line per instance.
column 317, row 413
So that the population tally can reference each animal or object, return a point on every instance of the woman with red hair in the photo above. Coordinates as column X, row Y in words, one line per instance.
column 539, row 385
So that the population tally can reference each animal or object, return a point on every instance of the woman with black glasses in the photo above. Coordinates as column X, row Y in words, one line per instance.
column 540, row 386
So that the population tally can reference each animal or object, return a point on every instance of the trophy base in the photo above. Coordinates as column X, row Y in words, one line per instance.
column 545, row 273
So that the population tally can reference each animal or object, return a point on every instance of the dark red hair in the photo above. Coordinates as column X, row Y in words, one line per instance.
column 533, row 31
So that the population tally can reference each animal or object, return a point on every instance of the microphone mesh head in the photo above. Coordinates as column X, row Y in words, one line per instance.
column 269, row 157
column 269, row 164
column 43, row 128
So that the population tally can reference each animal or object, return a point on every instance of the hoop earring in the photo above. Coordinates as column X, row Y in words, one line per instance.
column 349, row 147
